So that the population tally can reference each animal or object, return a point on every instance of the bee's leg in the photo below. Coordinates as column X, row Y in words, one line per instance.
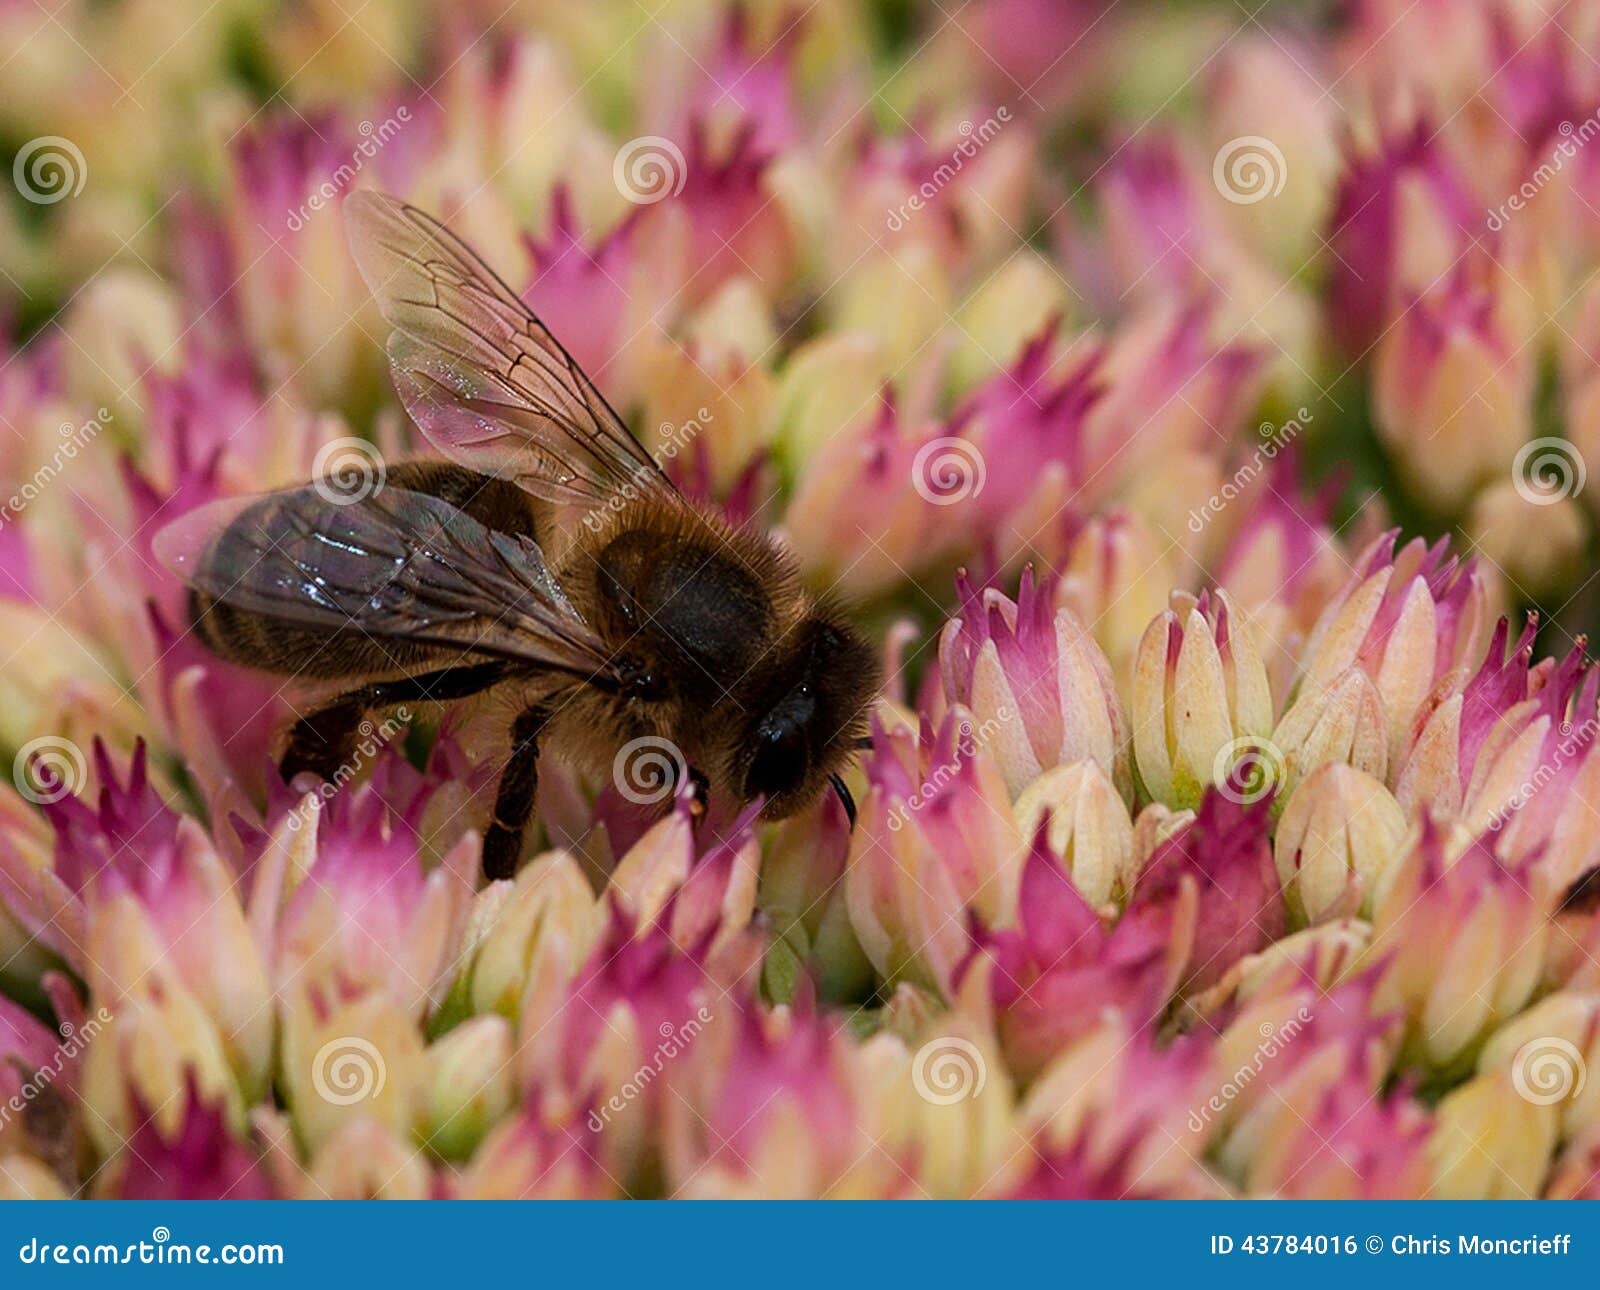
column 702, row 793
column 324, row 740
column 513, row 801
column 842, row 791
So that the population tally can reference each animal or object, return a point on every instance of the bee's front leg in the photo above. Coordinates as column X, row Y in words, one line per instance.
column 513, row 801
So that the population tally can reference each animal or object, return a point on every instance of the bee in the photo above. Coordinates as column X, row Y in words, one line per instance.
column 547, row 556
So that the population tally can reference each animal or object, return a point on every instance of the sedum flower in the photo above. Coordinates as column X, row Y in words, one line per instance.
column 1460, row 943
column 1200, row 699
column 1406, row 618
column 1340, row 833
column 523, row 1158
column 1108, row 1119
column 1549, row 1049
column 469, row 1085
column 1489, row 1142
column 1352, row 1146
column 364, row 915
column 203, row 1160
column 941, row 1104
column 1538, row 546
column 1400, row 208
column 1039, row 689
column 1225, row 857
column 1087, row 826
column 1115, row 577
column 775, row 1114
column 1452, row 395
column 934, row 839
column 1055, row 975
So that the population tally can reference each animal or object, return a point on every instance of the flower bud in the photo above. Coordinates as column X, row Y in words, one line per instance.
column 468, row 1085
column 1340, row 830
column 1089, row 828
column 1199, row 695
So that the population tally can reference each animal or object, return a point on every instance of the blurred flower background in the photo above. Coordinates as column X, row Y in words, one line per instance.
column 1197, row 402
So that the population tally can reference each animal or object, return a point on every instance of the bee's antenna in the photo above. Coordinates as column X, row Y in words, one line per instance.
column 845, row 800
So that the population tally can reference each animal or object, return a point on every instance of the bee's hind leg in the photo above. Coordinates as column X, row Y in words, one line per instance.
column 513, row 801
column 324, row 741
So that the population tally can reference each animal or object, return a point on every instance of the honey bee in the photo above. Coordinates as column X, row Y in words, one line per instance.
column 548, row 556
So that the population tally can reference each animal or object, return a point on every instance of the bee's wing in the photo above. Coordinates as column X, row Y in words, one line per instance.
column 395, row 564
column 485, row 380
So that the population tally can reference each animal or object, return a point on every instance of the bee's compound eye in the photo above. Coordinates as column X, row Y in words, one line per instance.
column 779, row 761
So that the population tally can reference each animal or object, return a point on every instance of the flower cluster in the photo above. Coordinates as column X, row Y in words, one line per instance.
column 1224, row 829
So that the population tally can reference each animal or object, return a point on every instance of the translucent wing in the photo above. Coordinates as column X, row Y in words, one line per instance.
column 395, row 564
column 485, row 380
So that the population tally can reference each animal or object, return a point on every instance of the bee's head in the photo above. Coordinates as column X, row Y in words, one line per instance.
column 809, row 714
